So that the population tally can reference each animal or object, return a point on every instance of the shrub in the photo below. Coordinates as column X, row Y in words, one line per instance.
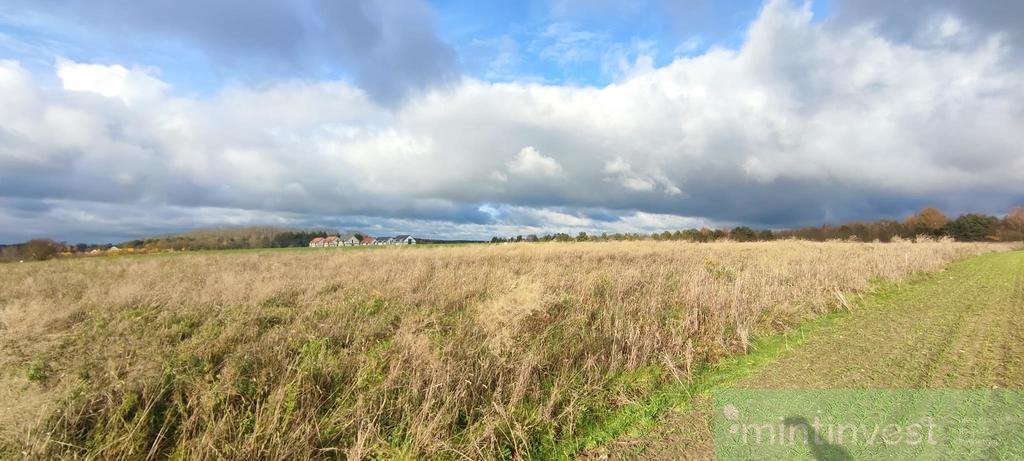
column 38, row 371
column 972, row 227
column 742, row 234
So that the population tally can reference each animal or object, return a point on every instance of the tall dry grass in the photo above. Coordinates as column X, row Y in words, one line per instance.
column 465, row 352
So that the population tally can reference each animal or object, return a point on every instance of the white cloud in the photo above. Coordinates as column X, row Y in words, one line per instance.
column 623, row 63
column 114, row 81
column 949, row 26
column 803, row 121
column 649, row 182
column 529, row 162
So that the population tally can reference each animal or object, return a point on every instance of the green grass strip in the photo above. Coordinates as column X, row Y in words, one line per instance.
column 637, row 418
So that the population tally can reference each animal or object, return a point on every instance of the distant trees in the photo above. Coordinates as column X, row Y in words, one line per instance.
column 229, row 239
column 42, row 249
column 1015, row 219
column 699, row 235
column 33, row 250
column 973, row 227
column 929, row 221
column 1013, row 226
column 743, row 234
column 295, row 238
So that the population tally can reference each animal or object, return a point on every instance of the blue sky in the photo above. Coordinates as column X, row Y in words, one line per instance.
column 570, row 42
column 467, row 119
column 565, row 42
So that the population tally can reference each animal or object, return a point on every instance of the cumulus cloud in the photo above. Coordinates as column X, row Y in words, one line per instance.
column 623, row 172
column 111, row 81
column 804, row 122
column 529, row 162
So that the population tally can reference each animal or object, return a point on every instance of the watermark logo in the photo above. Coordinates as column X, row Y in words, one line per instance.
column 869, row 424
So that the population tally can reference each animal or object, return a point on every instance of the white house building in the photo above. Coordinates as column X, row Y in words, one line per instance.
column 334, row 241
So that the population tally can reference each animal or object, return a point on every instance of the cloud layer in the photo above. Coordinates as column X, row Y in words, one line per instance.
column 388, row 48
column 805, row 122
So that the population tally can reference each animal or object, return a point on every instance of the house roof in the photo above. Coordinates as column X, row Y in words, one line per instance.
column 402, row 237
column 368, row 239
column 317, row 240
column 331, row 238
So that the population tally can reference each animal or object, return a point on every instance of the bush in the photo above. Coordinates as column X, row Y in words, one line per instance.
column 743, row 234
column 33, row 250
column 41, row 249
column 972, row 227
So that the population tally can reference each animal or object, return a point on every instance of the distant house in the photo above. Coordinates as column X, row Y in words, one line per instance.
column 353, row 240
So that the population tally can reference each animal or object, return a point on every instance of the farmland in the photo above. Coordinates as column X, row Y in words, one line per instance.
column 473, row 351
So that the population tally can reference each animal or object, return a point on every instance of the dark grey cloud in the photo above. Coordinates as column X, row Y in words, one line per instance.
column 908, row 20
column 392, row 44
column 389, row 47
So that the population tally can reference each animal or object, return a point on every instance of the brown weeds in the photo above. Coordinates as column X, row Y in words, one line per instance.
column 460, row 352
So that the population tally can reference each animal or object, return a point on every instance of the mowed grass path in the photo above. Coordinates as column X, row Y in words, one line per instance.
column 961, row 328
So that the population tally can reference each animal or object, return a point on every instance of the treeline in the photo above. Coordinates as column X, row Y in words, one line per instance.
column 231, row 238
column 970, row 227
column 236, row 238
column 43, row 249
column 32, row 250
column 930, row 222
column 201, row 239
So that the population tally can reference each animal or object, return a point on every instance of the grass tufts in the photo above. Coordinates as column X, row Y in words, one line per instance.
column 491, row 351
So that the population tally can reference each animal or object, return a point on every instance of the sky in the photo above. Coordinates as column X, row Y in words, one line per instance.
column 467, row 119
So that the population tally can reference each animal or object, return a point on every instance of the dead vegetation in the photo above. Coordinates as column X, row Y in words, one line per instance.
column 465, row 352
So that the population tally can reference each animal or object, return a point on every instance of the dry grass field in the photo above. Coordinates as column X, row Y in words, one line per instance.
column 453, row 352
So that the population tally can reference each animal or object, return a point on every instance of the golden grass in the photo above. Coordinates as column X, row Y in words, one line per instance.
column 474, row 351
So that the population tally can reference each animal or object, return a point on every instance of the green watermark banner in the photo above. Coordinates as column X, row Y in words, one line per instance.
column 826, row 424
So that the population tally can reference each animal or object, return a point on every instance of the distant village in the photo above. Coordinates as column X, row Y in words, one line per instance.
column 359, row 240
